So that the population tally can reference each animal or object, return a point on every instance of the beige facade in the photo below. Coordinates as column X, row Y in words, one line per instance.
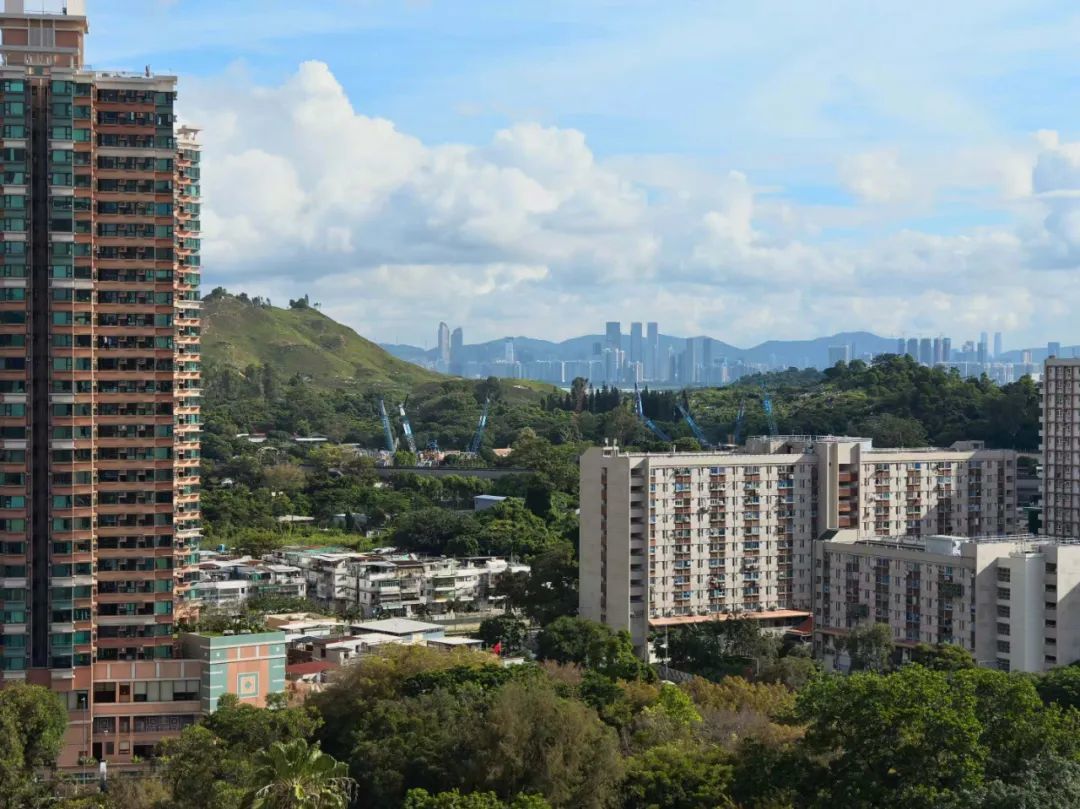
column 1010, row 600
column 1061, row 448
column 708, row 533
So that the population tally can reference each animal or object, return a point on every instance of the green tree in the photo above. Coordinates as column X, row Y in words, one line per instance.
column 294, row 775
column 943, row 657
column 535, row 741
column 1060, row 686
column 678, row 776
column 436, row 531
column 1044, row 783
column 422, row 799
column 591, row 644
column 899, row 740
column 504, row 629
column 869, row 647
column 549, row 590
column 41, row 721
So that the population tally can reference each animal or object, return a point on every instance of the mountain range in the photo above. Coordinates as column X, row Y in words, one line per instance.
column 800, row 353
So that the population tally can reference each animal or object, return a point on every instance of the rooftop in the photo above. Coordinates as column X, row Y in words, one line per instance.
column 396, row 626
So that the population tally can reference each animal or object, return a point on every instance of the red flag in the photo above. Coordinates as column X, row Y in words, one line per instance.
column 497, row 648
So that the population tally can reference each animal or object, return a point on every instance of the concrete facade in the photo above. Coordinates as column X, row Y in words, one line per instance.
column 1011, row 601
column 250, row 666
column 1061, row 447
column 711, row 533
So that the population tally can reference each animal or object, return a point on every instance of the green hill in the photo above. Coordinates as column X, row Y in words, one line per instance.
column 298, row 371
column 238, row 333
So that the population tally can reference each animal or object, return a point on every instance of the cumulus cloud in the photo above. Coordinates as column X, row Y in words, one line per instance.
column 530, row 233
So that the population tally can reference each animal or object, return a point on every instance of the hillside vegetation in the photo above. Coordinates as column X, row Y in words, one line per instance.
column 297, row 371
column 239, row 332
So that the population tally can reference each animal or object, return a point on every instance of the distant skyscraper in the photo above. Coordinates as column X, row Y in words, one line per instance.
column 839, row 354
column 652, row 352
column 613, row 334
column 637, row 345
column 999, row 345
column 984, row 338
column 457, row 346
column 926, row 351
column 706, row 361
column 444, row 346
column 946, row 349
column 913, row 348
column 508, row 349
column 980, row 356
column 938, row 351
column 613, row 343
column 900, row 347
column 1053, row 349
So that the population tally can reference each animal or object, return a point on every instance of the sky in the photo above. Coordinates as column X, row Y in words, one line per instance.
column 750, row 171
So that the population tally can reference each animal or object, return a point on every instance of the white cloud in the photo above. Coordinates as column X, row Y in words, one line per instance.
column 531, row 234
column 876, row 176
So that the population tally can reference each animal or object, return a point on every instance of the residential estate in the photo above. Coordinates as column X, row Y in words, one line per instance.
column 1010, row 600
column 714, row 533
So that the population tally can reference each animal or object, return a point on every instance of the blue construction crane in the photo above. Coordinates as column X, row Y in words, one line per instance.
column 740, row 423
column 699, row 434
column 478, row 437
column 639, row 409
column 766, row 405
column 388, row 431
column 406, row 427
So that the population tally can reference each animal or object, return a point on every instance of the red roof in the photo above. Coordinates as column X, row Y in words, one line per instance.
column 300, row 669
column 767, row 615
column 805, row 628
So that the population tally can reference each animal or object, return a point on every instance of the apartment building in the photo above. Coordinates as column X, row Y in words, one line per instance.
column 406, row 586
column 230, row 582
column 99, row 367
column 1061, row 447
column 1008, row 600
column 712, row 533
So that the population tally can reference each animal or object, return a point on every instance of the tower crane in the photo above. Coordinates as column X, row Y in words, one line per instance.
column 639, row 409
column 478, row 437
column 740, row 423
column 388, row 431
column 767, row 406
column 406, row 427
column 695, row 428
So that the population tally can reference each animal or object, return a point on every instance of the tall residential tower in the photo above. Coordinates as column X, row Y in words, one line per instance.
column 99, row 378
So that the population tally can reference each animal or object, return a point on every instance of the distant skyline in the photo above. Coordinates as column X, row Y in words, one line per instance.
column 748, row 172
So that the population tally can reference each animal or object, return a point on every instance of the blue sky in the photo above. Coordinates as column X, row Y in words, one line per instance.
column 743, row 170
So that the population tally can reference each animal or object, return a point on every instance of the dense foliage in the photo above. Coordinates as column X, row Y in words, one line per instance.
column 418, row 728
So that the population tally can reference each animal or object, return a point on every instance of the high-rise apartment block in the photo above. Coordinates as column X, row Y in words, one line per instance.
column 1061, row 448
column 1007, row 600
column 99, row 375
column 699, row 534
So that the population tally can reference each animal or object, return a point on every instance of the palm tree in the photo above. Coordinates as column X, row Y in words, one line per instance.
column 295, row 775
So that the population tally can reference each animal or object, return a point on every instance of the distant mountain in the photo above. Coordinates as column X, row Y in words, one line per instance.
column 239, row 332
column 801, row 353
